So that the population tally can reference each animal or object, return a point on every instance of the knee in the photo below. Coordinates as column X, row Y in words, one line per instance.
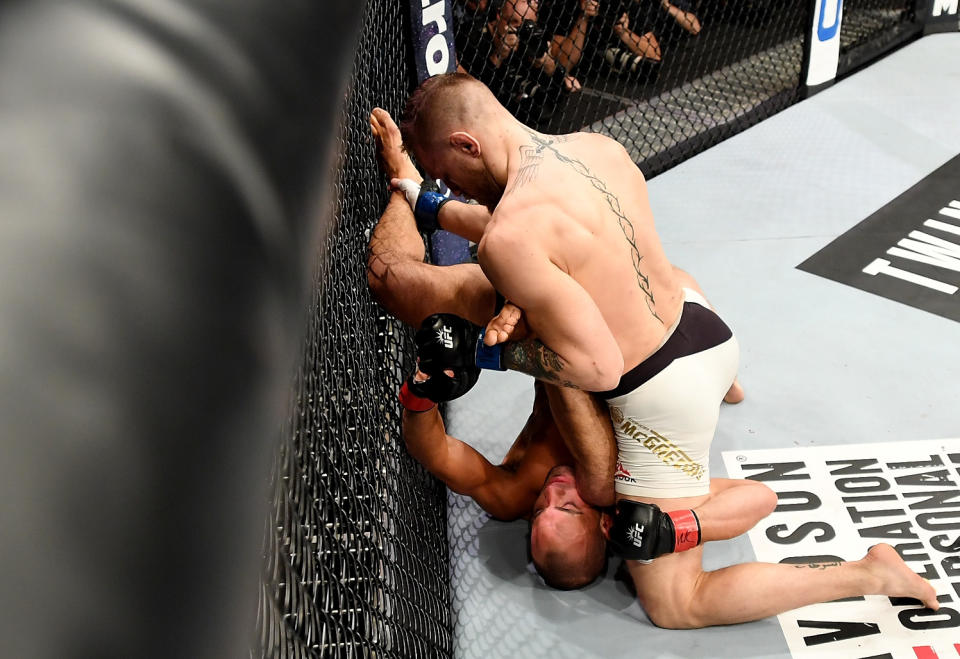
column 676, row 607
column 671, row 613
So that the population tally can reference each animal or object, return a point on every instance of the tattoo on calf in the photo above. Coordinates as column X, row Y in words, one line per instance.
column 530, row 158
column 531, row 356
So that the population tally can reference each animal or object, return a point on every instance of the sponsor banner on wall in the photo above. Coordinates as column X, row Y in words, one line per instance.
column 941, row 15
column 835, row 502
column 908, row 251
column 434, row 52
column 433, row 44
column 824, row 42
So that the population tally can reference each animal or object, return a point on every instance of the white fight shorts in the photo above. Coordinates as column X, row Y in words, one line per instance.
column 665, row 410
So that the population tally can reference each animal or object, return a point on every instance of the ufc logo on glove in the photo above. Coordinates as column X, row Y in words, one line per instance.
column 445, row 337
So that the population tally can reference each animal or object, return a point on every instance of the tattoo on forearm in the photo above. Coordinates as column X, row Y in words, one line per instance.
column 532, row 156
column 531, row 356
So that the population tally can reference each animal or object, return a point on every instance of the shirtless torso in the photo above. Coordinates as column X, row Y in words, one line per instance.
column 553, row 242
column 574, row 230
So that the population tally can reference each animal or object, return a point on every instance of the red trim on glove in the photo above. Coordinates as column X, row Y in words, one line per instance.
column 687, row 527
column 413, row 402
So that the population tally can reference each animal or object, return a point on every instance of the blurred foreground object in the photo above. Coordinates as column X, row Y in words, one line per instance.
column 162, row 166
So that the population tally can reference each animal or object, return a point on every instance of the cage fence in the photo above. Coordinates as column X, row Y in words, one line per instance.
column 870, row 28
column 665, row 79
column 355, row 549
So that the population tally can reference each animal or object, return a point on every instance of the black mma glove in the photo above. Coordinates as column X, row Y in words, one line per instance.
column 425, row 200
column 641, row 532
column 410, row 400
column 448, row 342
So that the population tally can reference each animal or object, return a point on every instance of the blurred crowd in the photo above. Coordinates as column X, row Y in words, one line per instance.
column 531, row 52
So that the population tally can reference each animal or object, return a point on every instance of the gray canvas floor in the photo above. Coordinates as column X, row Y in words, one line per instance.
column 822, row 363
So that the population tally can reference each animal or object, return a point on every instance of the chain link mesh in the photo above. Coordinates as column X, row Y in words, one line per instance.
column 355, row 548
column 665, row 79
column 871, row 27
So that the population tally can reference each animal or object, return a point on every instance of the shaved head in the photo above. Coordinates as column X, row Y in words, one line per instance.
column 456, row 130
column 567, row 544
column 573, row 561
column 441, row 104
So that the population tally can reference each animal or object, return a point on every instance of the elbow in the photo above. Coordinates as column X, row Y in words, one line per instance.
column 596, row 493
column 606, row 373
column 606, row 383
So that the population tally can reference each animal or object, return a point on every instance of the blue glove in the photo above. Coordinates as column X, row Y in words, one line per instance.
column 425, row 200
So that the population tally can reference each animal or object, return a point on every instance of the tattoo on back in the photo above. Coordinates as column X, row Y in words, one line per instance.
column 530, row 158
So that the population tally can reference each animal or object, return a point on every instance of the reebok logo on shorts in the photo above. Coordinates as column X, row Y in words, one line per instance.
column 623, row 475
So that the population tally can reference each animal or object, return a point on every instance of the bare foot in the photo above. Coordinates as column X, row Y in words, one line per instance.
column 394, row 160
column 506, row 325
column 896, row 577
column 734, row 394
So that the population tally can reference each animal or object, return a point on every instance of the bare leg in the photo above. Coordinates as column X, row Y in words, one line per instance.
column 467, row 220
column 733, row 508
column 393, row 159
column 676, row 592
column 507, row 325
column 409, row 288
column 691, row 598
column 735, row 394
column 398, row 278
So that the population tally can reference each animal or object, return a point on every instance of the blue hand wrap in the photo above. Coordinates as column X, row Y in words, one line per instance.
column 489, row 357
column 428, row 208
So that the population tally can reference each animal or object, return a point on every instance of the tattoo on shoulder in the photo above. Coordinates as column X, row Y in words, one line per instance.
column 542, row 143
column 534, row 358
column 530, row 159
column 531, row 155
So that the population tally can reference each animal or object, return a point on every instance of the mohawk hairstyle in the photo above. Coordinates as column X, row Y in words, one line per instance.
column 421, row 107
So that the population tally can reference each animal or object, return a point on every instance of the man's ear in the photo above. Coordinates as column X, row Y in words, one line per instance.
column 606, row 523
column 465, row 143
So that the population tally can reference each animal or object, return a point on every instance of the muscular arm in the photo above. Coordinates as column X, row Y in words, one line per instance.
column 409, row 288
column 584, row 423
column 497, row 490
column 567, row 50
column 465, row 220
column 575, row 347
